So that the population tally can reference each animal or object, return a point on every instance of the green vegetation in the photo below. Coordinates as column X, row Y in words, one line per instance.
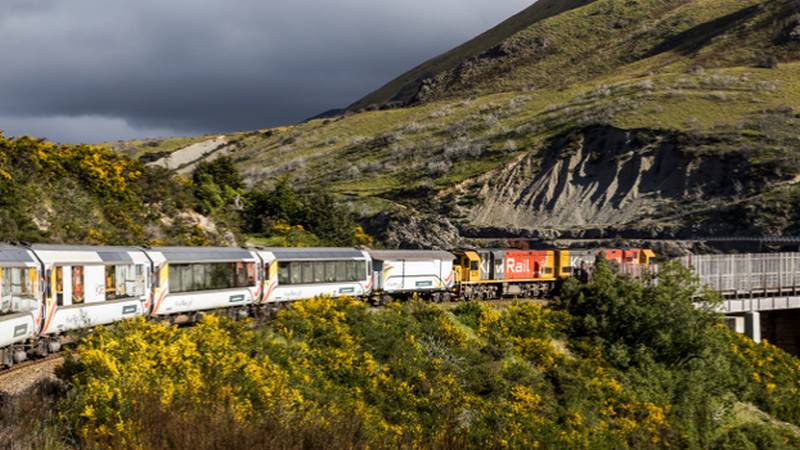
column 89, row 194
column 282, row 217
column 81, row 193
column 608, row 367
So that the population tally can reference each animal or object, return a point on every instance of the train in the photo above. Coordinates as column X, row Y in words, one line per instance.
column 48, row 291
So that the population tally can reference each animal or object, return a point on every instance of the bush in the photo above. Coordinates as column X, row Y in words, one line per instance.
column 635, row 323
column 315, row 212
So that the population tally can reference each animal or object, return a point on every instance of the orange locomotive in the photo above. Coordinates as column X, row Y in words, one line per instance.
column 495, row 273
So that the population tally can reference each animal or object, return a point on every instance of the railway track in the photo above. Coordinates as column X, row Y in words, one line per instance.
column 21, row 376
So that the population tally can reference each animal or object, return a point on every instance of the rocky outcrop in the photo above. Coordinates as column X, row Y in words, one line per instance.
column 603, row 177
column 414, row 231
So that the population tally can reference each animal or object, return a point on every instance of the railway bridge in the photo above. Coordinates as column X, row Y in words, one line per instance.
column 760, row 291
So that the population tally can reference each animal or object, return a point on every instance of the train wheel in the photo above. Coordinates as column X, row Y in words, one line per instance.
column 41, row 349
column 6, row 360
column 19, row 355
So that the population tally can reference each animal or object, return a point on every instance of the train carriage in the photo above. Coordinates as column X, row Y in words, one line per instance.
column 20, row 303
column 428, row 273
column 291, row 274
column 90, row 286
column 189, row 280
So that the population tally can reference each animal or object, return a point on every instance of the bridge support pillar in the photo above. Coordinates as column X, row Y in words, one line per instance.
column 752, row 325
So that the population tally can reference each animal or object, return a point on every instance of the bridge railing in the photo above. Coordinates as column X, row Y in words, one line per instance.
column 747, row 275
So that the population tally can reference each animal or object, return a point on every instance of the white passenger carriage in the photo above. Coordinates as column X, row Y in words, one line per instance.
column 194, row 279
column 428, row 273
column 90, row 286
column 20, row 303
column 303, row 273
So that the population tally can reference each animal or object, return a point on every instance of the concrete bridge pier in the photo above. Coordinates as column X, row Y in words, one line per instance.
column 752, row 325
column 782, row 328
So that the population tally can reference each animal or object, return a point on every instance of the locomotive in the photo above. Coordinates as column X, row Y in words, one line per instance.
column 47, row 291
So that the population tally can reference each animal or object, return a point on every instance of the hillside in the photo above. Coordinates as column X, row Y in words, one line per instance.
column 613, row 117
column 89, row 194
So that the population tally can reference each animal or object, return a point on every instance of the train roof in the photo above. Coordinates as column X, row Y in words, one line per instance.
column 10, row 254
column 310, row 253
column 203, row 254
column 82, row 254
column 383, row 255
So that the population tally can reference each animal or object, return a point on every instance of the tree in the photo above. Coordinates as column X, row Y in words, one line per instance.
column 662, row 319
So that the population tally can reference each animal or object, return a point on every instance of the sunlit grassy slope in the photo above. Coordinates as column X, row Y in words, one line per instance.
column 725, row 71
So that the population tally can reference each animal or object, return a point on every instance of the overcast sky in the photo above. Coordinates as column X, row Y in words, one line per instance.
column 96, row 70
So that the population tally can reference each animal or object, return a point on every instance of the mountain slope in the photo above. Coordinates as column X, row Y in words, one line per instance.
column 617, row 117
column 404, row 88
column 582, row 40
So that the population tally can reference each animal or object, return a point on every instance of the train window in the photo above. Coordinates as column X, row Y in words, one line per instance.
column 319, row 272
column 351, row 271
column 283, row 273
column 139, row 286
column 548, row 270
column 308, row 272
column 111, row 283
column 19, row 286
column 59, row 285
column 330, row 271
column 245, row 274
column 316, row 272
column 198, row 278
column 123, row 281
column 341, row 270
column 361, row 268
column 251, row 273
column 210, row 276
column 473, row 265
column 296, row 273
column 77, row 285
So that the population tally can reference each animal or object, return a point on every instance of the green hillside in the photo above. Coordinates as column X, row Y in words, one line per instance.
column 404, row 88
column 645, row 118
column 558, row 44
column 89, row 194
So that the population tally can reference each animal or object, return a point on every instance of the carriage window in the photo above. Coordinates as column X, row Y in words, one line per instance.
column 330, row 271
column 124, row 281
column 361, row 268
column 245, row 274
column 319, row 272
column 341, row 270
column 59, row 285
column 316, row 272
column 308, row 272
column 283, row 273
column 296, row 273
column 18, row 289
column 351, row 271
column 77, row 285
column 211, row 276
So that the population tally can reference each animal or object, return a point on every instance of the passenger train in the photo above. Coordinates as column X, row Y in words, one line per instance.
column 49, row 290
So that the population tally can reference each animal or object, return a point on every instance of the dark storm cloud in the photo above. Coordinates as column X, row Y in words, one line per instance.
column 89, row 70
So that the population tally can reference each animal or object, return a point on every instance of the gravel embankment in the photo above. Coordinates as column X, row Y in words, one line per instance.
column 18, row 380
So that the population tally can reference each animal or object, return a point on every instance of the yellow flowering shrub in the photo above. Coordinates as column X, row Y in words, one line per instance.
column 774, row 375
column 205, row 367
column 336, row 373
